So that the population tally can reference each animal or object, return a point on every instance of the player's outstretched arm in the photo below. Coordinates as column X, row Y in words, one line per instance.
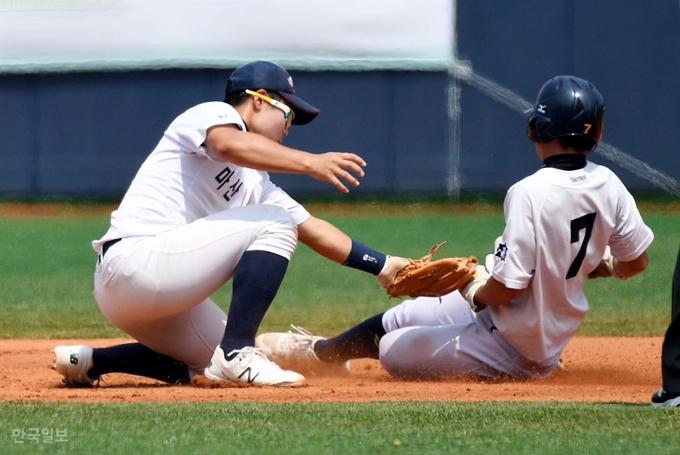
column 325, row 239
column 228, row 143
column 334, row 244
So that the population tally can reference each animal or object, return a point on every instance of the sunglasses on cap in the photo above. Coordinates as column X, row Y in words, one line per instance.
column 288, row 113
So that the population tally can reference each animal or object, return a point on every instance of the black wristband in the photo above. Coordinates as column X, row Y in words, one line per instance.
column 364, row 258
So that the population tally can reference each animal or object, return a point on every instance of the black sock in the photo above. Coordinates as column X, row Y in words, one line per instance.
column 256, row 281
column 137, row 359
column 361, row 341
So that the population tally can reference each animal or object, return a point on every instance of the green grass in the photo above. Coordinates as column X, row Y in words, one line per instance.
column 46, row 268
column 356, row 428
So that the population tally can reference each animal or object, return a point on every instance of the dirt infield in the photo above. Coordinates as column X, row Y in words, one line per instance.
column 598, row 369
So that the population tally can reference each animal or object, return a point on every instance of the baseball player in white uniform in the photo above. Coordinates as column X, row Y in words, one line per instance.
column 570, row 220
column 202, row 211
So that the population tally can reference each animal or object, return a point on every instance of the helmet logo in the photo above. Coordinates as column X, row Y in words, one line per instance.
column 588, row 127
column 541, row 108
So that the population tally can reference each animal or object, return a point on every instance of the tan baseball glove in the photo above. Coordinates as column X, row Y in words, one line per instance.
column 427, row 278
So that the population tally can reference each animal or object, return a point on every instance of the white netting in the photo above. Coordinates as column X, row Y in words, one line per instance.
column 463, row 72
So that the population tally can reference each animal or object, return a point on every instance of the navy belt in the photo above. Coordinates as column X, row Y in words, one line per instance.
column 109, row 244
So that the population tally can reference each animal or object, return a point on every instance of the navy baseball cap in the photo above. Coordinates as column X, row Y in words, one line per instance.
column 273, row 78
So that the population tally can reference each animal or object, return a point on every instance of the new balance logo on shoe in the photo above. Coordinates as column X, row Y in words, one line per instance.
column 250, row 366
column 248, row 378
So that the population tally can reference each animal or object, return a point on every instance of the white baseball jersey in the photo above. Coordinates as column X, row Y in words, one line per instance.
column 558, row 224
column 186, row 221
column 181, row 181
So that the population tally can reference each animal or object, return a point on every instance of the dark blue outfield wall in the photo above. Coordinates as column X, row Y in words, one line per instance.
column 85, row 134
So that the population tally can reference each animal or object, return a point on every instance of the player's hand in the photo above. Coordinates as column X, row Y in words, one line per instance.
column 606, row 267
column 393, row 264
column 333, row 166
column 470, row 289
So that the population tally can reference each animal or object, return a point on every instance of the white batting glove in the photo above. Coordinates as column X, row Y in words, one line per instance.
column 606, row 267
column 468, row 291
column 490, row 259
column 393, row 265
column 489, row 262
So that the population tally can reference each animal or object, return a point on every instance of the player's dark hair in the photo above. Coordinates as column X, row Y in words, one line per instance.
column 578, row 143
column 236, row 98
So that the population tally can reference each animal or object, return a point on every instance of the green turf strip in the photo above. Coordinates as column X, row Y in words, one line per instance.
column 46, row 269
column 339, row 428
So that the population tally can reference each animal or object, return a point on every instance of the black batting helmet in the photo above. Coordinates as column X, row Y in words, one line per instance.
column 567, row 106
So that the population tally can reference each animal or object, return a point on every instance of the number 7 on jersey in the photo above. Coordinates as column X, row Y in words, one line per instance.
column 585, row 222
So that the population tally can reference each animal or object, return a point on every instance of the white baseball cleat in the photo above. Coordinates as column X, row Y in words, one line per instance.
column 250, row 367
column 296, row 351
column 73, row 362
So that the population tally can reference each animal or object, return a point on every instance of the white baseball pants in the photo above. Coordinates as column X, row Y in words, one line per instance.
column 157, row 289
column 427, row 339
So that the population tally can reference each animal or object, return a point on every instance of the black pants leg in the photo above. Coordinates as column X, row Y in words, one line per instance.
column 670, row 352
